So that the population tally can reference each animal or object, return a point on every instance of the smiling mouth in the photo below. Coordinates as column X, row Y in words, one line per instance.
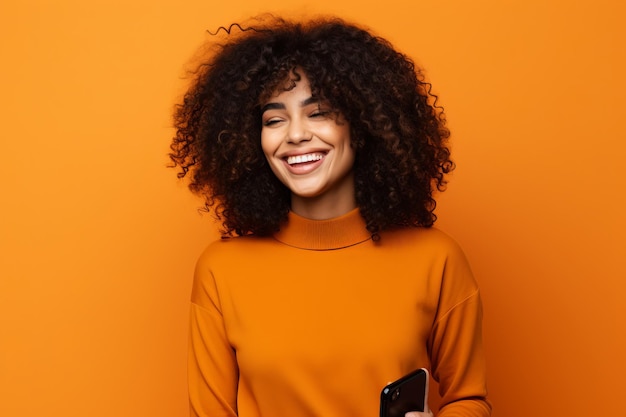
column 303, row 159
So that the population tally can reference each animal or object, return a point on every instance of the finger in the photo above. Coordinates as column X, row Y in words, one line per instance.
column 418, row 414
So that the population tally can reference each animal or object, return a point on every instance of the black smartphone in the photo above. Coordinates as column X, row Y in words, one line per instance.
column 409, row 393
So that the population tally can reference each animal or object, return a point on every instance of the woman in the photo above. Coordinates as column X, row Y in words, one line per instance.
column 319, row 147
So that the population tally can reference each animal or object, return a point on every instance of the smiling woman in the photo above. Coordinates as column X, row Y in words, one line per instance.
column 398, row 136
column 307, row 145
column 319, row 147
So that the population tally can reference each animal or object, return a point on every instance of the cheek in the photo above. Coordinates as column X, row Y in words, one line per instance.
column 346, row 142
column 267, row 144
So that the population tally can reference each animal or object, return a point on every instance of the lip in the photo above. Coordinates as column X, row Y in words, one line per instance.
column 303, row 168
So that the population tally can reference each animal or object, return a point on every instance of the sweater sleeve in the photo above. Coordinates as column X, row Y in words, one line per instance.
column 455, row 345
column 212, row 365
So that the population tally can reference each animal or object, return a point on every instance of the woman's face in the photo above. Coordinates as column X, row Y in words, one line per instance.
column 308, row 148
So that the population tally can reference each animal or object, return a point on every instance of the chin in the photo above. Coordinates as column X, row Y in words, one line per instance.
column 306, row 193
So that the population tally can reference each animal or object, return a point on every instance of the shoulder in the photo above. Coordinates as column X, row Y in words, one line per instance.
column 223, row 259
column 432, row 258
column 236, row 255
column 428, row 239
column 432, row 247
column 232, row 248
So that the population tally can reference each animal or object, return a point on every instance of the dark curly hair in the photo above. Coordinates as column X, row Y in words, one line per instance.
column 396, row 128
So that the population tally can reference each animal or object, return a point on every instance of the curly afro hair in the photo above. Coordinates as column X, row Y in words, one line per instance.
column 398, row 132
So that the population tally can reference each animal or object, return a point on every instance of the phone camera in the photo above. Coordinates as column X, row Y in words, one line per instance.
column 395, row 394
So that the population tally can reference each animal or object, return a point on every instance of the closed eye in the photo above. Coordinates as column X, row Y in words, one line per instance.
column 271, row 122
column 320, row 114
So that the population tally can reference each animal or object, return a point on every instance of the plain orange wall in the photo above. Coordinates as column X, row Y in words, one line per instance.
column 98, row 239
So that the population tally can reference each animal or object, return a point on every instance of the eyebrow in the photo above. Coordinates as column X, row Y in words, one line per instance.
column 281, row 106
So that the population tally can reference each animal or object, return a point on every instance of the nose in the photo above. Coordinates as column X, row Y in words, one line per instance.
column 298, row 131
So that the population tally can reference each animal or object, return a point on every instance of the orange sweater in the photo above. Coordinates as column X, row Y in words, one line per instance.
column 315, row 320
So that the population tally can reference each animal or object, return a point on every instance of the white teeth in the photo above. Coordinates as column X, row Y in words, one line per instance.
column 300, row 159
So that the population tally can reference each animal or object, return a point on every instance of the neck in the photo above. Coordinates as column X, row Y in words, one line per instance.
column 322, row 208
column 329, row 205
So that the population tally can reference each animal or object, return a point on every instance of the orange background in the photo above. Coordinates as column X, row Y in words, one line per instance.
column 98, row 239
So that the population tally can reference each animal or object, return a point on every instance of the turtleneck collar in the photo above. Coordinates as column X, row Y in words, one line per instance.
column 339, row 232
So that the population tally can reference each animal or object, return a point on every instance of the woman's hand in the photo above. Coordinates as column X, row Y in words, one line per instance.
column 419, row 414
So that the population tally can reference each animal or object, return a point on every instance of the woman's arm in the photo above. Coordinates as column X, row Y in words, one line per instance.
column 455, row 345
column 212, row 365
